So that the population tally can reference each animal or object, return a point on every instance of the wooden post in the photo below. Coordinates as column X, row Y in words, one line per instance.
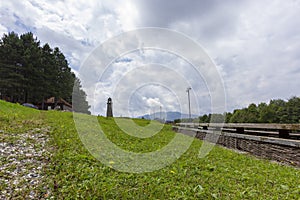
column 240, row 130
column 283, row 133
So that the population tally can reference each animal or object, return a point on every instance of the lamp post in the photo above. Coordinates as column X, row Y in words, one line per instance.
column 160, row 113
column 188, row 91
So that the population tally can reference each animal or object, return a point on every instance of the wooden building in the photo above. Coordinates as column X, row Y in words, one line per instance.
column 52, row 103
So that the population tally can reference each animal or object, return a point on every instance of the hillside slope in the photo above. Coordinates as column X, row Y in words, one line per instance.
column 72, row 173
column 24, row 153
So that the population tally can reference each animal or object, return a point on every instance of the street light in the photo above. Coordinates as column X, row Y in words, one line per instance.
column 188, row 91
column 160, row 113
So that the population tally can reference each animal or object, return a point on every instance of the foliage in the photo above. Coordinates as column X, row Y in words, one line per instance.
column 213, row 118
column 177, row 120
column 32, row 73
column 204, row 118
column 277, row 111
column 79, row 99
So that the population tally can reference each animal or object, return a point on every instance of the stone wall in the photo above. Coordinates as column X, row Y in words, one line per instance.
column 281, row 150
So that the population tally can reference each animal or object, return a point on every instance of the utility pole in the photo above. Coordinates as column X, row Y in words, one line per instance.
column 160, row 112
column 188, row 91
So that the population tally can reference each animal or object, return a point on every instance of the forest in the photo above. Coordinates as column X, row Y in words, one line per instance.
column 31, row 72
column 276, row 111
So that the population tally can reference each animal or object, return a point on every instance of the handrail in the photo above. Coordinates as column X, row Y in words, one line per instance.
column 282, row 129
column 245, row 125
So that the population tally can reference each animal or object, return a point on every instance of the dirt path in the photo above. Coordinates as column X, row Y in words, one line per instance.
column 24, row 160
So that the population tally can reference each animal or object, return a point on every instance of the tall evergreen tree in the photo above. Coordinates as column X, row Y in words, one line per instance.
column 80, row 103
column 277, row 111
column 11, row 76
column 31, row 73
column 31, row 68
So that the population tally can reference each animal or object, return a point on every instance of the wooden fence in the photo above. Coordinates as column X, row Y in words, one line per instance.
column 278, row 142
column 273, row 130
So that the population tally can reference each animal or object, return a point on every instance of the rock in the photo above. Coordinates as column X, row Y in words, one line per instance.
column 23, row 162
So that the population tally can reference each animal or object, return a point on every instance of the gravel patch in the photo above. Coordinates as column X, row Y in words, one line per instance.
column 24, row 158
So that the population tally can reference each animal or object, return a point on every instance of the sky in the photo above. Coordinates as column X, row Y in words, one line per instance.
column 254, row 44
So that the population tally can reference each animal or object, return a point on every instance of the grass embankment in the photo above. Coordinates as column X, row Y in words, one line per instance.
column 223, row 174
column 24, row 153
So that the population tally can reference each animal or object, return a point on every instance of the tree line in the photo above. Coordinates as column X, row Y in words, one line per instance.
column 276, row 111
column 31, row 72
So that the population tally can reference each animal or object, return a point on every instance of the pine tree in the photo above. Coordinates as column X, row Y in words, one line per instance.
column 31, row 73
column 11, row 76
column 79, row 101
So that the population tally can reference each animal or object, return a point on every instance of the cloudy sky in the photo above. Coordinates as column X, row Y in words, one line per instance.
column 254, row 44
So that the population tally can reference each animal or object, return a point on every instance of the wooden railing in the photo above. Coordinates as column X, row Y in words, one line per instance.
column 279, row 142
column 273, row 130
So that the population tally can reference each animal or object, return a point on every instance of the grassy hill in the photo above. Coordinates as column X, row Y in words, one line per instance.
column 69, row 171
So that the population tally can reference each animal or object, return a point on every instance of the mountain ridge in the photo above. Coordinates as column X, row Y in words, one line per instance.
column 168, row 116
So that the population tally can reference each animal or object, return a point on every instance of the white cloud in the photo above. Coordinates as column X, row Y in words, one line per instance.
column 152, row 102
column 255, row 44
column 2, row 30
column 140, row 83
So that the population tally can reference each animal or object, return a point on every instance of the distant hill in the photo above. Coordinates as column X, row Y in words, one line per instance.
column 168, row 116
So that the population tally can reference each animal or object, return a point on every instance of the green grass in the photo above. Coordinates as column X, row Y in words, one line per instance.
column 20, row 129
column 224, row 174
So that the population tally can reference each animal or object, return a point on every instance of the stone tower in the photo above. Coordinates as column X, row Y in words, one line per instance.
column 109, row 112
